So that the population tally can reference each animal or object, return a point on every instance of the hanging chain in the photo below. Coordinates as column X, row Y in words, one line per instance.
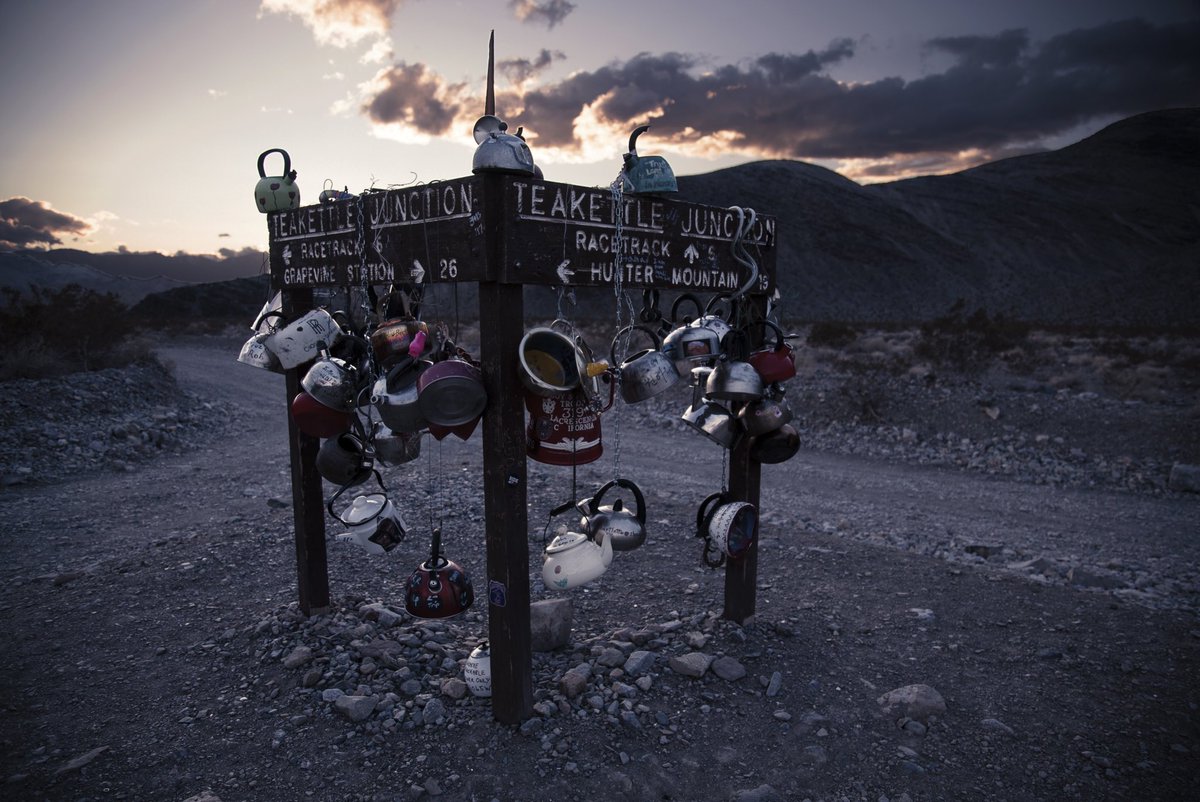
column 617, row 188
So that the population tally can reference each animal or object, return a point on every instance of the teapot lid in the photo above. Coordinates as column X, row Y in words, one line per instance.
column 565, row 541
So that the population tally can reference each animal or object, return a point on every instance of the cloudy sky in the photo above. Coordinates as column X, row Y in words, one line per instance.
column 138, row 123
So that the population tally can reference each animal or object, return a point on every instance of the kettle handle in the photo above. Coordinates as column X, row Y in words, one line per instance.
column 612, row 353
column 638, row 498
column 686, row 296
column 704, row 514
column 641, row 129
column 262, row 159
column 716, row 299
column 780, row 341
column 343, row 489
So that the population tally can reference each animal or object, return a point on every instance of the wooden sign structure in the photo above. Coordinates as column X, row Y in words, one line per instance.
column 506, row 231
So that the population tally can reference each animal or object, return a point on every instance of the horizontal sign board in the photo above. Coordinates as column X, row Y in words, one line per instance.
column 413, row 235
column 559, row 234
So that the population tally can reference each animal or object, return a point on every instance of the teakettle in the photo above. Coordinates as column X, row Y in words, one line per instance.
column 733, row 378
column 332, row 381
column 372, row 520
column 345, row 460
column 274, row 193
column 318, row 420
column 477, row 671
column 691, row 343
column 573, row 559
column 646, row 175
column 711, row 419
column 648, row 372
column 396, row 398
column 625, row 529
column 438, row 588
column 303, row 339
column 776, row 363
column 499, row 151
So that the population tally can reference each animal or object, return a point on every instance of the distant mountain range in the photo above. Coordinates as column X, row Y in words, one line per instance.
column 1103, row 232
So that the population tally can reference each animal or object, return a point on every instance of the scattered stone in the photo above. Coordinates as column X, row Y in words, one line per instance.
column 775, row 684
column 782, row 715
column 78, row 762
column 639, row 663
column 434, row 711
column 917, row 702
column 814, row 755
column 763, row 793
column 1082, row 577
column 204, row 796
column 332, row 694
column 355, row 708
column 575, row 681
column 728, row 669
column 692, row 664
column 995, row 725
column 550, row 624
column 311, row 678
column 611, row 657
column 454, row 688
column 1184, row 478
column 298, row 657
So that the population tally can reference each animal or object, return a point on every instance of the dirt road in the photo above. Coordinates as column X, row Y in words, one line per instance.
column 147, row 616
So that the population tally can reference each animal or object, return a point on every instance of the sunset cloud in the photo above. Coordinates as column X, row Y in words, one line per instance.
column 338, row 22
column 549, row 12
column 26, row 223
column 998, row 95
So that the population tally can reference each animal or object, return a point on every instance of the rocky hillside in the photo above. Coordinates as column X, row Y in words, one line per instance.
column 1102, row 232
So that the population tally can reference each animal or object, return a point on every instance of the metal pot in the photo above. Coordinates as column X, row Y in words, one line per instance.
column 438, row 588
column 318, row 420
column 625, row 529
column 256, row 354
column 776, row 363
column 394, row 339
column 564, row 429
column 395, row 396
column 727, row 526
column 647, row 373
column 690, row 343
column 711, row 419
column 332, row 381
column 777, row 446
column 549, row 364
column 394, row 448
column 451, row 393
column 345, row 460
column 734, row 379
column 764, row 415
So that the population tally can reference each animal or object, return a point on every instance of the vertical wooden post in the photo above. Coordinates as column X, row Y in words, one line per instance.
column 741, row 575
column 312, row 569
column 501, row 322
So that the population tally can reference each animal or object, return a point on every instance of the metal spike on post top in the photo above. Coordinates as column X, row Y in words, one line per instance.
column 489, row 103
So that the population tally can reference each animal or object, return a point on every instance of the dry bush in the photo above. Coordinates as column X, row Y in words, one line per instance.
column 968, row 343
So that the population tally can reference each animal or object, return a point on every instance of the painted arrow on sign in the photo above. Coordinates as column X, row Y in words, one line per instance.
column 692, row 254
column 564, row 272
column 417, row 272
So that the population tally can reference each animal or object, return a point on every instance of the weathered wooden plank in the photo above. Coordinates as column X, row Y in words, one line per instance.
column 564, row 235
column 421, row 234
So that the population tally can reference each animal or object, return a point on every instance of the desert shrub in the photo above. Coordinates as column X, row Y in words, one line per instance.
column 55, row 332
column 968, row 343
column 831, row 334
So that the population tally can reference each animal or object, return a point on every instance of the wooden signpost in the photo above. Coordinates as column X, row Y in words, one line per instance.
column 505, row 231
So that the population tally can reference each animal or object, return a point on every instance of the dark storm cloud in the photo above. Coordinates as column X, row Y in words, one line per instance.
column 997, row 92
column 28, row 223
column 551, row 12
column 413, row 95
column 520, row 70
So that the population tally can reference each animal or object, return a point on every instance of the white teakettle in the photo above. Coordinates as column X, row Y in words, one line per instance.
column 573, row 558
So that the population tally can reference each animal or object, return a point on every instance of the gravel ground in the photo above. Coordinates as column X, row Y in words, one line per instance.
column 1009, row 617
